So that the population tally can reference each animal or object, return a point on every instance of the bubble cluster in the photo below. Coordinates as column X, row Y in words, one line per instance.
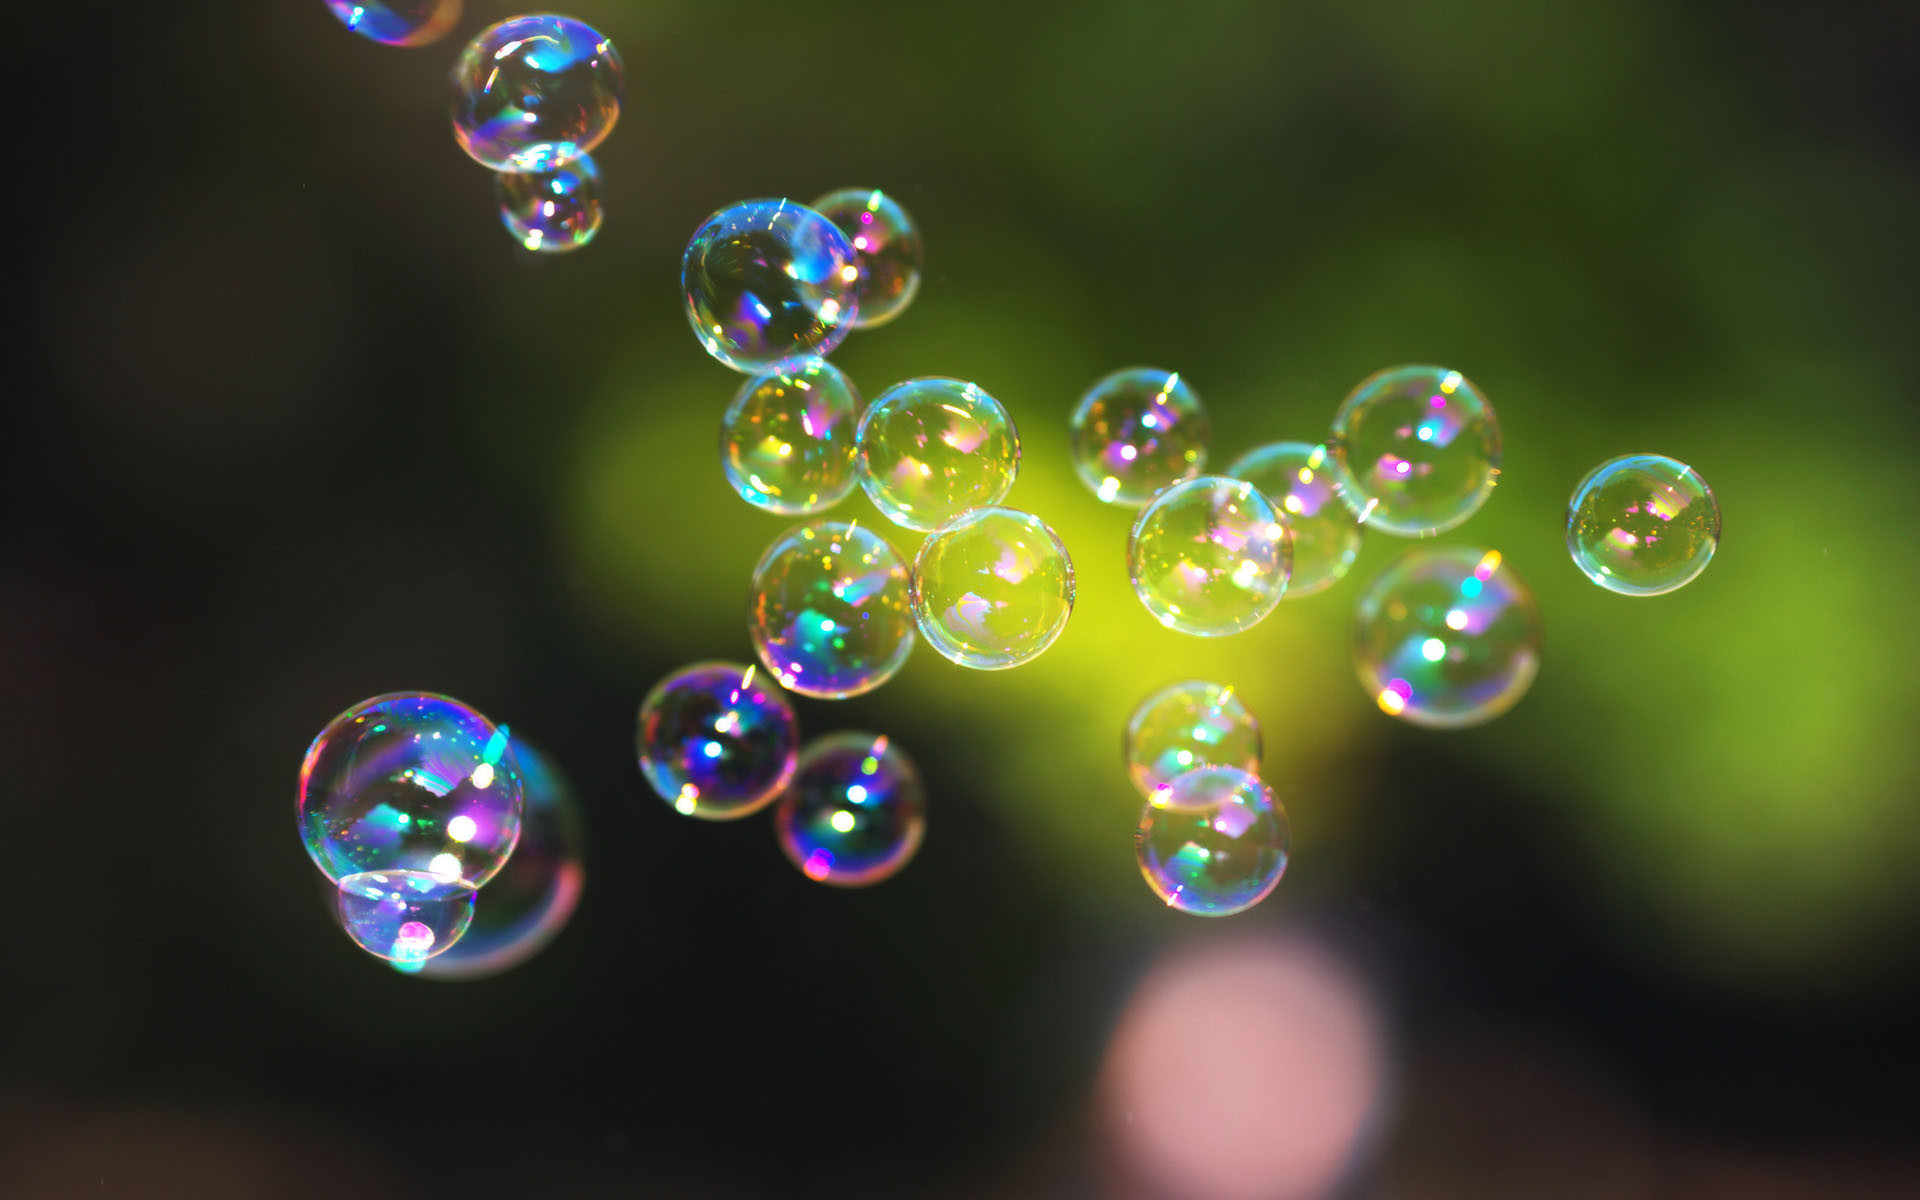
column 769, row 284
column 887, row 249
column 1642, row 524
column 398, row 22
column 1415, row 450
column 829, row 610
column 1209, row 556
column 787, row 440
column 1187, row 725
column 992, row 588
column 1135, row 432
column 1326, row 535
column 404, row 916
column 932, row 448
column 716, row 740
column 536, row 92
column 551, row 212
column 855, row 813
column 1213, row 842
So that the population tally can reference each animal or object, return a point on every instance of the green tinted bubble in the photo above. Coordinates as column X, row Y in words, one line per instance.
column 992, row 588
column 932, row 448
column 1188, row 725
column 1213, row 842
column 1326, row 536
column 1210, row 556
column 887, row 250
column 1642, row 524
column 786, row 442
column 1135, row 432
column 1415, row 450
column 829, row 610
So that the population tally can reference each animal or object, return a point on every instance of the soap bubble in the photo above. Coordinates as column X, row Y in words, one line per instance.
column 932, row 448
column 992, row 588
column 1188, row 725
column 769, row 284
column 887, row 250
column 829, row 610
column 855, row 812
column 398, row 22
column 716, row 740
column 1415, row 450
column 1446, row 637
column 1213, row 842
column 786, row 442
column 1326, row 537
column 410, row 781
column 551, row 212
column 534, row 93
column 404, row 917
column 1210, row 556
column 1135, row 432
column 1642, row 524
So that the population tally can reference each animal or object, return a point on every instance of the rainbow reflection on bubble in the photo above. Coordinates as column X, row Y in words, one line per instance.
column 1415, row 450
column 1186, row 725
column 536, row 92
column 888, row 252
column 829, row 610
column 1642, row 524
column 398, row 22
column 551, row 212
column 1326, row 535
column 716, row 740
column 1213, row 842
column 931, row 448
column 786, row 441
column 404, row 916
column 1137, row 431
column 855, row 812
column 992, row 588
column 1210, row 556
column 768, row 284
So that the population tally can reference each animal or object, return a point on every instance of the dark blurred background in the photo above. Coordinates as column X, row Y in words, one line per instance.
column 294, row 422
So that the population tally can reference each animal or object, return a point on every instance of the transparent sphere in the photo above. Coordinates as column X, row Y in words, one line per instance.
column 398, row 22
column 1213, row 842
column 932, row 448
column 786, row 442
column 1210, row 556
column 829, row 610
column 410, row 781
column 1446, row 636
column 1415, row 450
column 992, row 588
column 551, row 212
column 1326, row 535
column 716, row 740
column 534, row 93
column 769, row 284
column 404, row 916
column 1187, row 725
column 1135, row 432
column 1642, row 524
column 855, row 813
column 886, row 246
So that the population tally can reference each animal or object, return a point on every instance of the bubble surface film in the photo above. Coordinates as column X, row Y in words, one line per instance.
column 932, row 448
column 1135, row 432
column 829, row 610
column 1326, row 535
column 1187, row 725
column 1209, row 556
column 1642, row 524
column 1415, row 450
column 716, row 740
column 551, row 212
column 992, row 588
column 855, row 813
column 536, row 92
column 398, row 22
column 887, row 250
column 405, row 917
column 1213, row 842
column 769, row 284
column 786, row 442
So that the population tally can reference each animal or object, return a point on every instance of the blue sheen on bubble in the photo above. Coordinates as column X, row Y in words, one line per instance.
column 404, row 916
column 830, row 610
column 398, row 22
column 716, row 740
column 768, row 284
column 533, row 93
column 551, row 212
column 855, row 812
column 1213, row 842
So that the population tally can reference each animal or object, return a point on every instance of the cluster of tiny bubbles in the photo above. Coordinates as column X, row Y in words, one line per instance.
column 1210, row 556
column 787, row 440
column 1446, row 636
column 855, row 812
column 887, row 250
column 398, row 22
column 533, row 93
column 1137, row 431
column 405, row 917
column 553, row 211
column 992, row 588
column 1415, row 450
column 411, row 781
column 1213, row 841
column 769, row 284
column 931, row 448
column 716, row 740
column 1642, row 524
column 829, row 609
column 1187, row 725
column 1326, row 534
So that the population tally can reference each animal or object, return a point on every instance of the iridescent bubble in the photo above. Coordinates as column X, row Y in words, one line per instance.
column 769, row 284
column 1210, row 556
column 398, row 22
column 992, row 588
column 404, row 916
column 1187, row 725
column 932, row 448
column 534, row 93
column 716, row 740
column 1642, row 524
column 787, row 441
column 1326, row 536
column 551, row 212
column 887, row 250
column 829, row 610
column 1213, row 842
column 1135, row 432
column 855, row 812
column 1446, row 636
column 1415, row 450
column 410, row 781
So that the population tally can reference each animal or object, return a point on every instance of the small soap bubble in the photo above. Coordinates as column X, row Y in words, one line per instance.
column 1210, row 556
column 769, row 284
column 534, row 93
column 551, row 212
column 829, row 610
column 405, row 917
column 398, row 22
column 1213, row 842
column 1188, row 725
column 411, row 781
column 787, row 440
column 855, row 812
column 716, row 740
column 1137, row 431
column 932, row 448
column 1642, row 524
column 887, row 250
column 1326, row 535
column 1415, row 450
column 1446, row 637
column 992, row 588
